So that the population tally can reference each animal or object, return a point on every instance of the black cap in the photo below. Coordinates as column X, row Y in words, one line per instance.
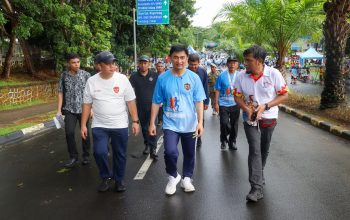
column 229, row 59
column 144, row 58
column 105, row 57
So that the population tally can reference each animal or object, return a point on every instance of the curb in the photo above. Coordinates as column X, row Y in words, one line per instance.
column 26, row 133
column 324, row 125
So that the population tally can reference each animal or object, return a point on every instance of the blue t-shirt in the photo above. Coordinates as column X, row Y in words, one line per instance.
column 179, row 95
column 224, row 84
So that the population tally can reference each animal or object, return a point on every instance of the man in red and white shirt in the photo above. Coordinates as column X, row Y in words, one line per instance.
column 258, row 91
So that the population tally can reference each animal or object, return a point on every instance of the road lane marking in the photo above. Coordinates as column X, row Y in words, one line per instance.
column 145, row 166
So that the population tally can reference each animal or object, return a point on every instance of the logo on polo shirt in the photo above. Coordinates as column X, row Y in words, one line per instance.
column 187, row 86
column 116, row 89
column 150, row 79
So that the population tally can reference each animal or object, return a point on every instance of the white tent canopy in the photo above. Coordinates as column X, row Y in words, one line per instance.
column 311, row 53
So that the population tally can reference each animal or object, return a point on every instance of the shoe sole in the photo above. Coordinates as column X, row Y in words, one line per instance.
column 253, row 200
column 187, row 190
column 104, row 190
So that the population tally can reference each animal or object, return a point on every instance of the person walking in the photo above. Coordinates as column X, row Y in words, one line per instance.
column 143, row 82
column 194, row 65
column 160, row 66
column 258, row 91
column 110, row 95
column 212, row 76
column 226, row 106
column 70, row 99
column 182, row 94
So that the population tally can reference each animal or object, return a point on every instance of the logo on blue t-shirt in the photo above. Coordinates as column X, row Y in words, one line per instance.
column 173, row 105
column 187, row 86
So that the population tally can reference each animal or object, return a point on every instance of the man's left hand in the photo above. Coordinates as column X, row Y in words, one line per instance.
column 135, row 128
column 260, row 110
column 199, row 130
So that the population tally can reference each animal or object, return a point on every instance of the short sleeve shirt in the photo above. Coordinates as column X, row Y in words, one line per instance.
column 179, row 95
column 211, row 81
column 144, row 87
column 72, row 87
column 108, row 98
column 225, row 85
column 262, row 90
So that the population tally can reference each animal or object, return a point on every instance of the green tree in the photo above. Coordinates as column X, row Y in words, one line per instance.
column 336, row 31
column 277, row 23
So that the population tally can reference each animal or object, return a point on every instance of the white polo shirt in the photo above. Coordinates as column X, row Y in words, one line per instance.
column 108, row 98
column 262, row 90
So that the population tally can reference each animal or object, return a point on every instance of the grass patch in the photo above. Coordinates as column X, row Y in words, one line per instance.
column 20, row 78
column 27, row 123
column 24, row 105
column 310, row 104
column 10, row 129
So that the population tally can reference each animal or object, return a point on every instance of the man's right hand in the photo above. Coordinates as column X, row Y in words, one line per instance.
column 84, row 132
column 217, row 107
column 59, row 113
column 152, row 130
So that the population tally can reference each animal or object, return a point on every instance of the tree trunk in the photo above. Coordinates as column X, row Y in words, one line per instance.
column 280, row 63
column 27, row 57
column 336, row 30
column 9, row 55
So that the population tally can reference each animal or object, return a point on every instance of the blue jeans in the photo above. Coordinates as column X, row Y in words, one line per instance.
column 119, row 141
column 171, row 153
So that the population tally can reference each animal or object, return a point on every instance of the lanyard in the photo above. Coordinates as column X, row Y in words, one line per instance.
column 231, row 81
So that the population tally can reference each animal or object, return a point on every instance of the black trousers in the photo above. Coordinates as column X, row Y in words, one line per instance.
column 70, row 121
column 145, row 117
column 229, row 117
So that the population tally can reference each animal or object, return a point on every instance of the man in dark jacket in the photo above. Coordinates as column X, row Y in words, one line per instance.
column 194, row 65
column 144, row 82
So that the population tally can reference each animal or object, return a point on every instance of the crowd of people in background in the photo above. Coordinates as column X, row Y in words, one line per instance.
column 174, row 97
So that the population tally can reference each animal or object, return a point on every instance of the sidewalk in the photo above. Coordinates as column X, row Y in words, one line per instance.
column 17, row 116
column 26, row 115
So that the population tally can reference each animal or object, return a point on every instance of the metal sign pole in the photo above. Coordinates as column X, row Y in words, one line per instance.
column 135, row 53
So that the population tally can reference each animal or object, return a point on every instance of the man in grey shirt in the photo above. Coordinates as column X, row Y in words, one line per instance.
column 70, row 99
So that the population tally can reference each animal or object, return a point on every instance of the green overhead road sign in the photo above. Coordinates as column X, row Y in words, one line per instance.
column 150, row 12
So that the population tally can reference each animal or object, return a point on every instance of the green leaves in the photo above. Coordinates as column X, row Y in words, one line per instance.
column 277, row 23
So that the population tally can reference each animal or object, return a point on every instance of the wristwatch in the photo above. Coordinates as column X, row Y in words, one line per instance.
column 267, row 106
column 137, row 121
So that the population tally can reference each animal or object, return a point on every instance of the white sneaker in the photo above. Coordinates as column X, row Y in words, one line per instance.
column 186, row 184
column 170, row 188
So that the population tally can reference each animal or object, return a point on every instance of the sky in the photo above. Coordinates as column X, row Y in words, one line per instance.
column 207, row 9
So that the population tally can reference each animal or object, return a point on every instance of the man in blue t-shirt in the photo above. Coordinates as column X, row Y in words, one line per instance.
column 226, row 105
column 181, row 93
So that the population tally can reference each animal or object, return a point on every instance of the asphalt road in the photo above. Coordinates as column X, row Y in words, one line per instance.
column 307, row 177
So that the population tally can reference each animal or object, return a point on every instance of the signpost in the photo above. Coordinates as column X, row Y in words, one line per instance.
column 150, row 12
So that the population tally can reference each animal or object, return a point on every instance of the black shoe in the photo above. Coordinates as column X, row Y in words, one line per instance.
column 146, row 150
column 71, row 163
column 223, row 146
column 104, row 185
column 232, row 146
column 86, row 161
column 254, row 195
column 153, row 154
column 119, row 186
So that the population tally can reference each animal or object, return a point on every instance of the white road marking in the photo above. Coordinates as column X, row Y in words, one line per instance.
column 145, row 166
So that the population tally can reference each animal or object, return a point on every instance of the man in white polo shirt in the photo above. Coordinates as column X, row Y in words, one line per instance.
column 258, row 91
column 110, row 95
